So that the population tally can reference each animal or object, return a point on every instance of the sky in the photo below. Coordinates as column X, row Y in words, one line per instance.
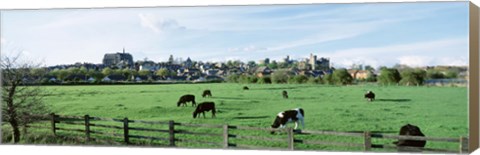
column 376, row 34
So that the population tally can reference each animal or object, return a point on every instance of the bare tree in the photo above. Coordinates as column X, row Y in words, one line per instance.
column 22, row 97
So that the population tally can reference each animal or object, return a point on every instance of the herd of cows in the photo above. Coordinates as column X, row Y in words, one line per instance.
column 297, row 115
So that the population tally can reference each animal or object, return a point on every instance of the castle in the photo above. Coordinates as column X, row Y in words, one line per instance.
column 118, row 60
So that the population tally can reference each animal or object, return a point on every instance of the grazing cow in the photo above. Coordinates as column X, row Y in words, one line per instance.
column 370, row 96
column 186, row 98
column 245, row 88
column 284, row 117
column 410, row 130
column 204, row 106
column 285, row 94
column 207, row 93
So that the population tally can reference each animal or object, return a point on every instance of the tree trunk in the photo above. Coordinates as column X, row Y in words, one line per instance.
column 11, row 112
column 16, row 130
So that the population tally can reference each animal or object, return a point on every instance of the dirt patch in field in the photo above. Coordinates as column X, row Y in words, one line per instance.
column 394, row 100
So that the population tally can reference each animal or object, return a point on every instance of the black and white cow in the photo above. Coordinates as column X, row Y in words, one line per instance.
column 370, row 96
column 284, row 117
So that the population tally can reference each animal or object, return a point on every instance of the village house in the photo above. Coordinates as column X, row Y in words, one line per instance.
column 358, row 74
column 263, row 71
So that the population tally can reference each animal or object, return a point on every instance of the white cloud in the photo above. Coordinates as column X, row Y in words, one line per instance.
column 250, row 48
column 348, row 62
column 415, row 61
column 452, row 51
column 335, row 32
column 158, row 24
column 433, row 48
column 450, row 61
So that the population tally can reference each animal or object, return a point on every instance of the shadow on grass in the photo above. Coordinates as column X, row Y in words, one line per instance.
column 394, row 100
column 373, row 132
column 306, row 98
column 235, row 109
column 250, row 117
column 232, row 98
column 251, row 99
column 279, row 88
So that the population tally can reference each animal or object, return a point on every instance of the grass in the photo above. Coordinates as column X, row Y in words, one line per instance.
column 438, row 111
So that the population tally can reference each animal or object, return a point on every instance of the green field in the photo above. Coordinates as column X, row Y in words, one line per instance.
column 438, row 111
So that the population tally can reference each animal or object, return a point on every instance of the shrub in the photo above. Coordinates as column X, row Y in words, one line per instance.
column 233, row 78
column 389, row 76
column 342, row 77
column 264, row 80
column 281, row 76
column 299, row 79
column 253, row 79
column 313, row 80
column 413, row 77
column 328, row 79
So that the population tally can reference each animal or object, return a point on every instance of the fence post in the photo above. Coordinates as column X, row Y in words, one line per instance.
column 125, row 130
column 225, row 136
column 52, row 116
column 171, row 131
column 87, row 127
column 290, row 138
column 463, row 145
column 367, row 140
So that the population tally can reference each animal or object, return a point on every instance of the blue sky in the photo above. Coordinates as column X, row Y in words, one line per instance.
column 377, row 34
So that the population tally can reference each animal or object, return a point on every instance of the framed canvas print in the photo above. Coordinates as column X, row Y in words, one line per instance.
column 345, row 77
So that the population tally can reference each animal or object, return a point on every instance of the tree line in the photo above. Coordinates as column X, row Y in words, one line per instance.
column 387, row 76
column 63, row 74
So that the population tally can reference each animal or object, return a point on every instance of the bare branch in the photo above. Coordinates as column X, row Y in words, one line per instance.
column 20, row 99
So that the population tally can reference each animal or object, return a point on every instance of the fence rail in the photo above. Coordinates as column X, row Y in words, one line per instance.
column 124, row 127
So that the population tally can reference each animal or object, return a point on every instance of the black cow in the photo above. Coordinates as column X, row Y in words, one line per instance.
column 207, row 93
column 370, row 96
column 245, row 88
column 204, row 106
column 410, row 130
column 285, row 94
column 186, row 98
column 284, row 117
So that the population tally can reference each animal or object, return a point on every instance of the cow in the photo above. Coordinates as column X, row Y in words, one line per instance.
column 285, row 94
column 207, row 93
column 186, row 98
column 370, row 96
column 284, row 117
column 410, row 130
column 245, row 88
column 204, row 106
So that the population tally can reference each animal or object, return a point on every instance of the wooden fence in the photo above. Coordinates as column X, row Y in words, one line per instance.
column 125, row 127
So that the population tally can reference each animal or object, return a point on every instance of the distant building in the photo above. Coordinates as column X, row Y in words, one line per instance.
column 323, row 64
column 147, row 65
column 170, row 60
column 188, row 63
column 318, row 64
column 263, row 71
column 313, row 61
column 287, row 60
column 359, row 74
column 118, row 60
column 169, row 66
